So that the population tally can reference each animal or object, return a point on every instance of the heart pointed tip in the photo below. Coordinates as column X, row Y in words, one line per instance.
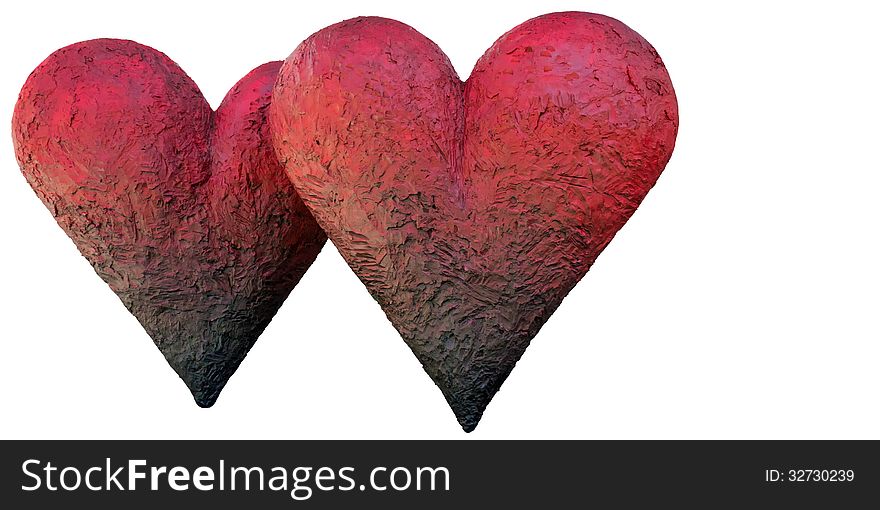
column 205, row 403
column 470, row 395
column 205, row 396
column 468, row 420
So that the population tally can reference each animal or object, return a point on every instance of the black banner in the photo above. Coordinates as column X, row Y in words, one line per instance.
column 435, row 474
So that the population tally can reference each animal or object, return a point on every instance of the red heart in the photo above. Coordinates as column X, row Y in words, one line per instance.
column 469, row 210
column 184, row 212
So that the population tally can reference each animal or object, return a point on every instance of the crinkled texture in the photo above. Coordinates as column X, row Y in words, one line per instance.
column 469, row 210
column 185, row 213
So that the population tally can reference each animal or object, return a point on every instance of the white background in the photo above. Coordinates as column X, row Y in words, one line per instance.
column 740, row 301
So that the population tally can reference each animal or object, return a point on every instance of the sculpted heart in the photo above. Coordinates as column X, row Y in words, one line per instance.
column 184, row 212
column 469, row 210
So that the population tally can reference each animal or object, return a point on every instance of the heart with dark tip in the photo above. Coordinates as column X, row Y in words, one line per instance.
column 470, row 209
column 183, row 211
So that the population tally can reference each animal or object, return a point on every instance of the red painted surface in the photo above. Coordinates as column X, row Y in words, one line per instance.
column 184, row 212
column 469, row 210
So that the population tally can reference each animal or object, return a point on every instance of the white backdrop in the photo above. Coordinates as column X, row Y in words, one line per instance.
column 740, row 301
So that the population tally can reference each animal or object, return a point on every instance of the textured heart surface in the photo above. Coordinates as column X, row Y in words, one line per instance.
column 469, row 210
column 183, row 211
